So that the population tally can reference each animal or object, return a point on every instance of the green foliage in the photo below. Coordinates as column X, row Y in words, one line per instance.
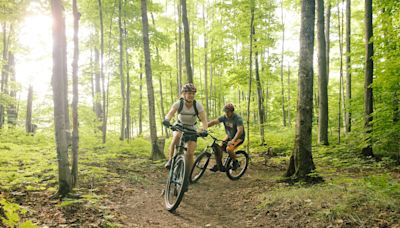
column 9, row 215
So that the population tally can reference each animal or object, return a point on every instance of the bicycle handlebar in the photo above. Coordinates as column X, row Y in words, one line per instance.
column 185, row 130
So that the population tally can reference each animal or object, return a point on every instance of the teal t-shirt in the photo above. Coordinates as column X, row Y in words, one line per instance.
column 231, row 125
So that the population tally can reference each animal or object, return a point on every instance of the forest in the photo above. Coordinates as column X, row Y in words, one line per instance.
column 87, row 86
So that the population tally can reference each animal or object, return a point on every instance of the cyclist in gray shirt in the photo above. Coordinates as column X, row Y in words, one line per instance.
column 188, row 112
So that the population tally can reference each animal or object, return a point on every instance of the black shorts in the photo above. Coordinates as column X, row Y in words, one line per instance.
column 189, row 137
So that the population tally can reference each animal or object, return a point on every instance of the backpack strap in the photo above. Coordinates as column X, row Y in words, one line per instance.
column 182, row 102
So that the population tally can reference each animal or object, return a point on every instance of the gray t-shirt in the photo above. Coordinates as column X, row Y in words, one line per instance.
column 231, row 125
column 188, row 116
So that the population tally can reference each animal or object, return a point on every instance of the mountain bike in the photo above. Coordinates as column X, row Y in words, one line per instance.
column 177, row 181
column 203, row 159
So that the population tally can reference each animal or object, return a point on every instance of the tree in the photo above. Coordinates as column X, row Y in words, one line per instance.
column 282, row 55
column 104, row 116
column 369, row 68
column 75, row 92
column 301, row 161
column 4, row 73
column 59, row 97
column 185, row 22
column 322, row 77
column 252, row 6
column 12, row 110
column 121, row 71
column 28, row 120
column 156, row 153
column 348, row 66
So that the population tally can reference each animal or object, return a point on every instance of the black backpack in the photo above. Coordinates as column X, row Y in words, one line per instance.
column 182, row 102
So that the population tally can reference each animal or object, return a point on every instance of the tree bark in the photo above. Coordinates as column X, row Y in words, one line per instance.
column 4, row 72
column 282, row 56
column 301, row 162
column 185, row 22
column 289, row 108
column 156, row 153
column 250, row 72
column 141, row 100
column 369, row 68
column 58, row 79
column 340, row 71
column 322, row 77
column 205, row 62
column 98, row 92
column 260, row 100
column 327, row 36
column 121, row 71
column 128, row 86
column 75, row 92
column 28, row 119
column 104, row 116
column 348, row 65
column 12, row 110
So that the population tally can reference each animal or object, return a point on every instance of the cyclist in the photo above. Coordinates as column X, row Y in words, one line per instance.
column 235, row 136
column 188, row 112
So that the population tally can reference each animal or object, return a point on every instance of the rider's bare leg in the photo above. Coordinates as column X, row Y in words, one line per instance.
column 175, row 141
column 191, row 147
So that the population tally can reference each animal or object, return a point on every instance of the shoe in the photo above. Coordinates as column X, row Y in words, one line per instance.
column 168, row 164
column 214, row 168
column 235, row 164
column 222, row 169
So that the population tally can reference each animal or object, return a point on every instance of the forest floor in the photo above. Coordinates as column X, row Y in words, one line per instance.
column 122, row 188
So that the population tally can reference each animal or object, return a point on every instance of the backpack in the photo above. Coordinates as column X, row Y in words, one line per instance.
column 182, row 102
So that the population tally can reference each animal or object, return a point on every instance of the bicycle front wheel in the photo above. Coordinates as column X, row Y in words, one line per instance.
column 199, row 166
column 176, row 184
column 234, row 172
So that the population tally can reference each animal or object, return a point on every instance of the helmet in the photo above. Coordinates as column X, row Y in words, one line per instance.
column 229, row 107
column 189, row 87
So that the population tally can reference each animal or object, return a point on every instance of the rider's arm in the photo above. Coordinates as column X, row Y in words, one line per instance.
column 238, row 133
column 203, row 118
column 213, row 122
column 171, row 113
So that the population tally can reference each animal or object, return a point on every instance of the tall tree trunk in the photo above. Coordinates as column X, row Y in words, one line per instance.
column 59, row 62
column 205, row 62
column 128, row 85
column 163, row 128
column 12, row 110
column 141, row 99
column 28, row 120
column 4, row 72
column 301, row 161
column 98, row 93
column 156, row 152
column 104, row 117
column 369, row 69
column 289, row 108
column 251, row 72
column 282, row 55
column 75, row 92
column 340, row 70
column 92, row 80
column 186, row 31
column 327, row 36
column 348, row 66
column 260, row 100
column 121, row 71
column 322, row 77
column 179, row 47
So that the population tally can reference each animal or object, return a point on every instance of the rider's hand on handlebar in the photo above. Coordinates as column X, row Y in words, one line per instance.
column 166, row 123
column 204, row 133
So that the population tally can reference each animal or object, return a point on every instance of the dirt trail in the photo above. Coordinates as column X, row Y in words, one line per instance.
column 215, row 201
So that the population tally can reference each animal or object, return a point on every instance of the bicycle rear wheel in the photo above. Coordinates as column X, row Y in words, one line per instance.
column 176, row 184
column 199, row 166
column 243, row 160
